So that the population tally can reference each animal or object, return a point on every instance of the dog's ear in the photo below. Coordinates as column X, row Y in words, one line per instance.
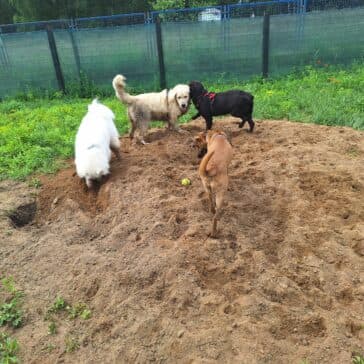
column 200, row 139
column 195, row 87
column 202, row 152
column 202, row 136
column 172, row 96
column 197, row 141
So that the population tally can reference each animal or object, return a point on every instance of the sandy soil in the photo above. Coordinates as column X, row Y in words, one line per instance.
column 283, row 283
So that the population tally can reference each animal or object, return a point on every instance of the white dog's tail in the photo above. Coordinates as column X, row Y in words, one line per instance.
column 94, row 104
column 119, row 86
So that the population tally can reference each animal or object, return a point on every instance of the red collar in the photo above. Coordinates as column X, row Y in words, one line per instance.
column 210, row 95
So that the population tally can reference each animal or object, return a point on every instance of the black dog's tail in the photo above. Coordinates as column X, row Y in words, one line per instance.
column 252, row 105
column 247, row 100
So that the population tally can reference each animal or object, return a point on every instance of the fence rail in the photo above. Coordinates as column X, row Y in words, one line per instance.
column 246, row 9
column 189, row 14
column 183, row 45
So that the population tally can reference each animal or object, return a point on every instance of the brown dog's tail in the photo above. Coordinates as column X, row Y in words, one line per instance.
column 203, row 164
column 119, row 86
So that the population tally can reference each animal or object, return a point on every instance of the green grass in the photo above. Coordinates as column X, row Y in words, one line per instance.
column 73, row 311
column 37, row 134
column 71, row 344
column 8, row 349
column 10, row 313
column 358, row 359
column 58, row 305
column 52, row 328
column 79, row 310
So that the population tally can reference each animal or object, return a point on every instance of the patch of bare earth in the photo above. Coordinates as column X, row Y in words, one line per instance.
column 284, row 282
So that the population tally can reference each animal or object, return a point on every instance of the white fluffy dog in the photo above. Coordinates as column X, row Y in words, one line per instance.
column 96, row 135
column 167, row 105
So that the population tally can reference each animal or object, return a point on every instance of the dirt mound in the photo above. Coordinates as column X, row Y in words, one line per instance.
column 283, row 283
column 68, row 187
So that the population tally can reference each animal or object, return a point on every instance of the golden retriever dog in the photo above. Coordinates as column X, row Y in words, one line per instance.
column 213, row 171
column 167, row 105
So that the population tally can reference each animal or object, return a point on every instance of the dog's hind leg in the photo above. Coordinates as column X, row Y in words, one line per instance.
column 208, row 190
column 115, row 147
column 241, row 124
column 140, row 117
column 212, row 201
column 132, row 130
column 89, row 183
column 219, row 200
column 251, row 124
column 133, row 123
column 143, row 131
column 249, row 120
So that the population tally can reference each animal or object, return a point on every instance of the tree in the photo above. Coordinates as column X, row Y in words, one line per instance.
column 7, row 12
column 33, row 10
column 178, row 4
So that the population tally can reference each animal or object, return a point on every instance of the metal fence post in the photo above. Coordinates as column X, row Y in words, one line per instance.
column 304, row 6
column 75, row 48
column 162, row 69
column 265, row 50
column 4, row 58
column 55, row 58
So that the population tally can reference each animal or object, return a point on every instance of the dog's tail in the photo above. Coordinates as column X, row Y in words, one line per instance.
column 95, row 103
column 203, row 165
column 119, row 86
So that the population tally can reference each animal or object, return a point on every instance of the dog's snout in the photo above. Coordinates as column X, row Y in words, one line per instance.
column 184, row 105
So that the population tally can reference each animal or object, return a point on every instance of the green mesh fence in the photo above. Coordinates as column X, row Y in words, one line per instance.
column 26, row 63
column 201, row 50
column 212, row 50
column 326, row 37
column 99, row 54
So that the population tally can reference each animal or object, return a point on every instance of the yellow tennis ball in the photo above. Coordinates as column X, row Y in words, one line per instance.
column 185, row 182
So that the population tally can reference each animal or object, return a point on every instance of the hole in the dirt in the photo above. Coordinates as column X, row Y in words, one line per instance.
column 23, row 215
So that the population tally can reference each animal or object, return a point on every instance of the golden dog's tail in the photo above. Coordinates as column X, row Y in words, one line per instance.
column 119, row 86
column 203, row 165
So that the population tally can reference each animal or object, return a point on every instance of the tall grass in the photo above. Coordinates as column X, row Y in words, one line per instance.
column 37, row 133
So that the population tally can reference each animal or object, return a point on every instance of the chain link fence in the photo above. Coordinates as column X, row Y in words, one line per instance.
column 225, row 43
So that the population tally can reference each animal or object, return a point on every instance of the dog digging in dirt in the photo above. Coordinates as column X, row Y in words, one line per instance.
column 213, row 171
column 167, row 105
column 237, row 103
column 96, row 137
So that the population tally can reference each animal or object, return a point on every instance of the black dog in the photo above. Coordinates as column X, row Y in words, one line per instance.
column 209, row 104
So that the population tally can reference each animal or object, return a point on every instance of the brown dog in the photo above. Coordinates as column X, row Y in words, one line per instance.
column 213, row 171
